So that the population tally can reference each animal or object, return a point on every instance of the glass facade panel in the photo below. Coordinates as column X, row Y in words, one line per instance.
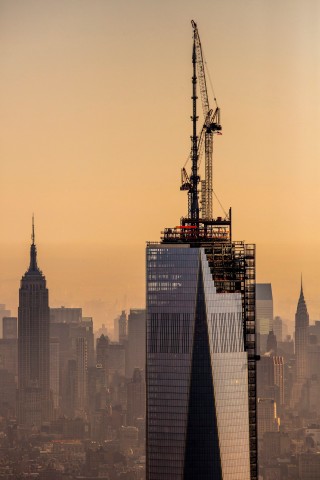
column 197, row 387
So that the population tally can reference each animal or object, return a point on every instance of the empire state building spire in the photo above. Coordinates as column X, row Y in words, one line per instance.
column 33, row 267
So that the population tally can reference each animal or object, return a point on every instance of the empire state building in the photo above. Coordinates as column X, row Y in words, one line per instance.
column 33, row 344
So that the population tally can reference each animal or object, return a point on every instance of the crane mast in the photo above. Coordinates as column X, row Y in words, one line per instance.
column 199, row 226
column 193, row 201
column 211, row 126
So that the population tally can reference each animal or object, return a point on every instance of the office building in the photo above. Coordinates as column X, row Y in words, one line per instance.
column 136, row 398
column 65, row 315
column 96, row 388
column 33, row 345
column 309, row 465
column 81, row 377
column 197, row 369
column 270, row 378
column 102, row 349
column 123, row 327
column 55, row 374
column 278, row 328
column 116, row 329
column 85, row 330
column 267, row 417
column 301, row 338
column 10, row 327
column 8, row 394
column 136, row 345
column 272, row 345
column 264, row 314
column 9, row 355
column 4, row 312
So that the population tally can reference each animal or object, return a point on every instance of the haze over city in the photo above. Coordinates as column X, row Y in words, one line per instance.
column 95, row 126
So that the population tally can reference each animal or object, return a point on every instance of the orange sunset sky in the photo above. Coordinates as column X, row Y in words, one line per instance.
column 94, row 128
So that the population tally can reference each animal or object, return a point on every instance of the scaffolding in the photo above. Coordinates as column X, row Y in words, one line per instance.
column 232, row 265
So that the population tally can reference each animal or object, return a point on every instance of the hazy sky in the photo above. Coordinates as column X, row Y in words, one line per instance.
column 95, row 124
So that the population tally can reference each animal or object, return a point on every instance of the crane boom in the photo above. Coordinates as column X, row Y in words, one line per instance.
column 201, row 72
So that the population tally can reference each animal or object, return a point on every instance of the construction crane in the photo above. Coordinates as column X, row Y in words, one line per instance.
column 198, row 225
column 210, row 127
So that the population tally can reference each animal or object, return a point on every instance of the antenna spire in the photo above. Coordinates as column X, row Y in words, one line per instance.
column 33, row 235
column 194, row 203
column 33, row 252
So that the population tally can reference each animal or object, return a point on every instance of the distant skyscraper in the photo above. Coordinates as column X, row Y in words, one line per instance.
column 33, row 345
column 55, row 373
column 301, row 338
column 65, row 315
column 123, row 327
column 270, row 375
column 9, row 355
column 3, row 313
column 264, row 314
column 116, row 329
column 81, row 377
column 272, row 345
column 136, row 345
column 86, row 327
column 103, row 354
column 268, row 420
column 278, row 328
column 10, row 327
column 136, row 397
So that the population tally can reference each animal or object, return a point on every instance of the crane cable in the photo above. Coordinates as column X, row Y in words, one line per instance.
column 214, row 193
column 210, row 81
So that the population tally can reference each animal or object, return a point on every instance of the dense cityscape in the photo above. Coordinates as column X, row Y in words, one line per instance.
column 206, row 381
column 93, row 421
column 80, row 409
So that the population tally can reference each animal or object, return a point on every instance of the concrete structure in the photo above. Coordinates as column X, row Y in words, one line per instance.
column 33, row 345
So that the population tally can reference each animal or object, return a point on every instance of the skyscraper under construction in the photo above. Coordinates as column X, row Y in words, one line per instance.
column 201, row 356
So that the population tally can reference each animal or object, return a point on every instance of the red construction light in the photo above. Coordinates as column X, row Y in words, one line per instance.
column 186, row 227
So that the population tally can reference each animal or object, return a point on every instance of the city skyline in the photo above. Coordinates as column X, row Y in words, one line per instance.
column 62, row 129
